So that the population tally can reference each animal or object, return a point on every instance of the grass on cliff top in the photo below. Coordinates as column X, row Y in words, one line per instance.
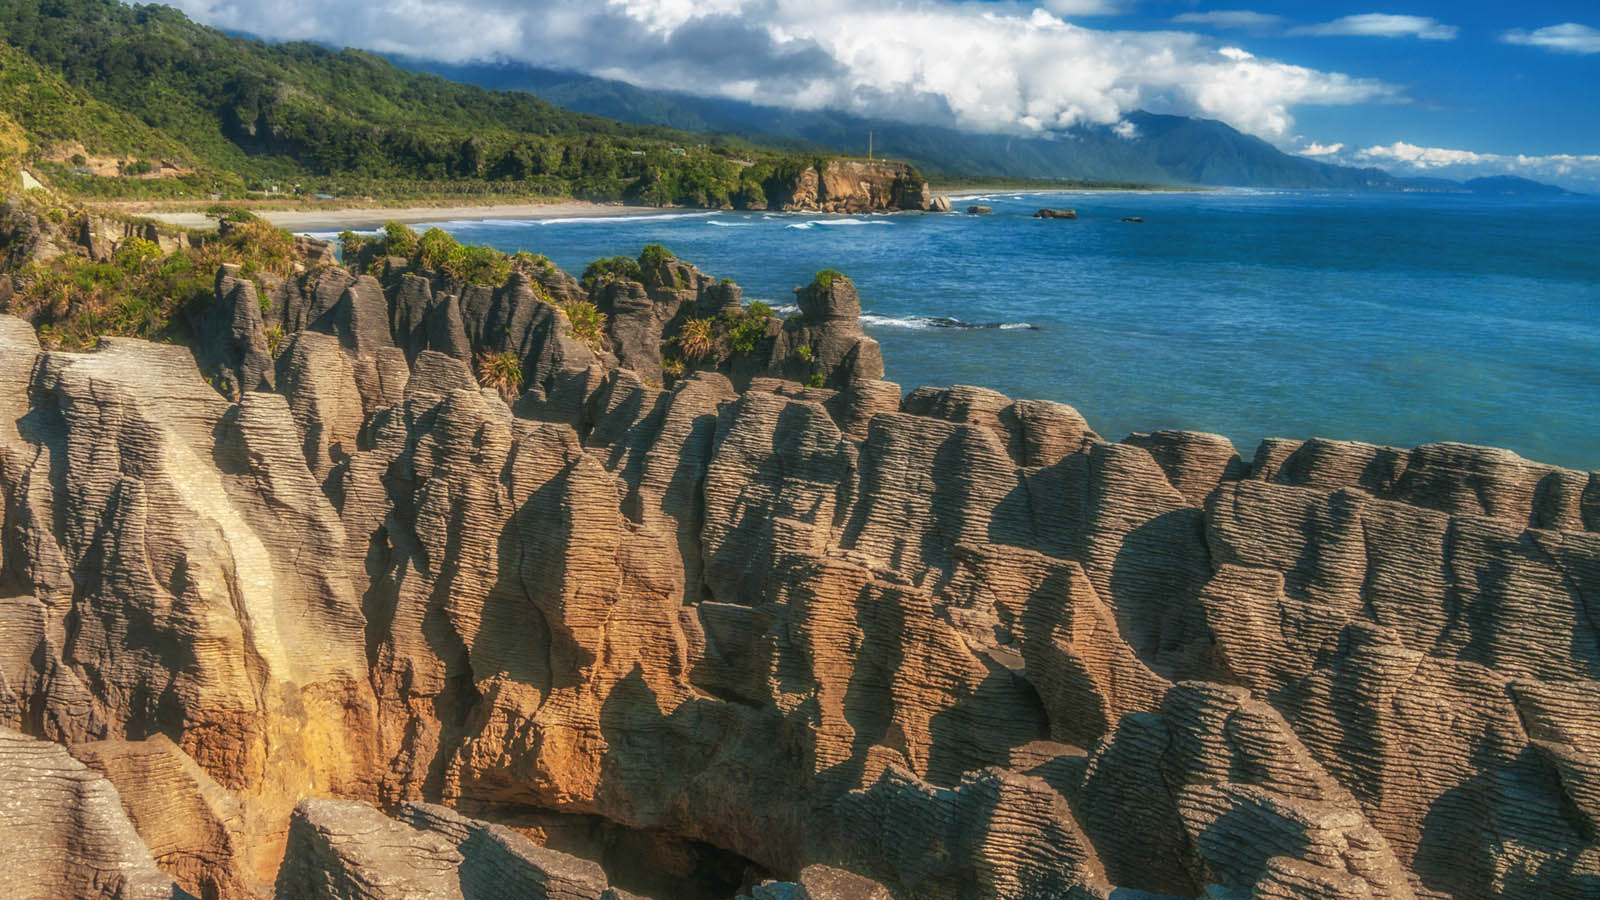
column 438, row 251
column 141, row 292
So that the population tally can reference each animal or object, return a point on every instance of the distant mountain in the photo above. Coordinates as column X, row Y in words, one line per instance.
column 1162, row 149
column 1511, row 185
column 1166, row 149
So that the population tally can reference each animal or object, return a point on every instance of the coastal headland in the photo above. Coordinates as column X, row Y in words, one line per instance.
column 433, row 572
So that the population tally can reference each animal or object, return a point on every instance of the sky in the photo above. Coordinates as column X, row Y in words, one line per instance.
column 1418, row 87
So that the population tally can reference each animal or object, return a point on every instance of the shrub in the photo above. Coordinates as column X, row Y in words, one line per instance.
column 671, row 365
column 696, row 339
column 350, row 245
column 274, row 340
column 805, row 352
column 588, row 323
column 399, row 240
column 438, row 251
column 815, row 380
column 611, row 268
column 527, row 262
column 136, row 254
column 654, row 255
column 483, row 265
column 746, row 332
column 826, row 276
column 501, row 371
column 759, row 310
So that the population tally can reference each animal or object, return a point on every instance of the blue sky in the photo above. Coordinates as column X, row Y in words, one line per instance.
column 1416, row 87
column 1473, row 91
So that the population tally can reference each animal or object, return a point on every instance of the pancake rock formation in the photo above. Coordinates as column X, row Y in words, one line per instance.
column 336, row 619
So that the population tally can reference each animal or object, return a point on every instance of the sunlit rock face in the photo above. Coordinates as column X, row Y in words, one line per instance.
column 956, row 644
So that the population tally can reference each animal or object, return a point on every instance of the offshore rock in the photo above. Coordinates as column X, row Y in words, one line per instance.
column 854, row 186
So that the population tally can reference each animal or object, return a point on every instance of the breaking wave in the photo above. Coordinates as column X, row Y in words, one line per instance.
column 922, row 322
column 838, row 222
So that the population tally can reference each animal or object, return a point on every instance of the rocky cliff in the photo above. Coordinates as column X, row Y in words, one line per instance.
column 610, row 630
column 854, row 186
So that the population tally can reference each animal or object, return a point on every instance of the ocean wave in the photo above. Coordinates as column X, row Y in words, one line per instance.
column 837, row 222
column 721, row 224
column 587, row 220
column 924, row 322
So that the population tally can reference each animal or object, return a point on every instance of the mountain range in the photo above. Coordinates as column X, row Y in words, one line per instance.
column 1159, row 148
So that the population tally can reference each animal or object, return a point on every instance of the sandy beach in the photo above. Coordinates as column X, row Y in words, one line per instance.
column 356, row 219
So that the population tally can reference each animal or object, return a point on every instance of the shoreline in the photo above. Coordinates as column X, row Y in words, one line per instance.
column 367, row 218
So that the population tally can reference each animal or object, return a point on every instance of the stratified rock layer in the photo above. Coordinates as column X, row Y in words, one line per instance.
column 959, row 645
column 65, row 835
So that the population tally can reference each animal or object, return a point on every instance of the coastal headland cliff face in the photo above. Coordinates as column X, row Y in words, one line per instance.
column 334, row 619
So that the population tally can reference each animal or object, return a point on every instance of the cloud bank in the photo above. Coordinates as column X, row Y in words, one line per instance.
column 1243, row 19
column 1003, row 67
column 1381, row 25
column 1568, row 38
column 1575, row 171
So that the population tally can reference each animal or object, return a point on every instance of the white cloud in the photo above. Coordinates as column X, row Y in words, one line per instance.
column 1423, row 157
column 1381, row 25
column 1125, row 130
column 1568, row 38
column 1082, row 7
column 1316, row 149
column 1231, row 18
column 981, row 66
column 1237, row 54
column 1575, row 171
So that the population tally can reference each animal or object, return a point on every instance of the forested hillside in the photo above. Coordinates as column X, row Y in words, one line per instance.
column 144, row 83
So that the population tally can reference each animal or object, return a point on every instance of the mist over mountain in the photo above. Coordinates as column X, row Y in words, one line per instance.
column 1156, row 148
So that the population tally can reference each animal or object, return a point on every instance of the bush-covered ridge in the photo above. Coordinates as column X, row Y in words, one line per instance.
column 144, row 81
column 140, row 291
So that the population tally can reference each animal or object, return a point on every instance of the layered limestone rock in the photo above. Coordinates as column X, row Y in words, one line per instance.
column 854, row 186
column 347, row 850
column 65, row 834
column 955, row 645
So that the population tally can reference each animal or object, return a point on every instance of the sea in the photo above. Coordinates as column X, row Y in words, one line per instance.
column 1397, row 319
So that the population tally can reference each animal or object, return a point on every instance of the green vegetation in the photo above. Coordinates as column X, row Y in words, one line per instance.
column 437, row 251
column 143, row 85
column 141, row 292
column 654, row 255
column 746, row 331
column 805, row 352
column 815, row 380
column 501, row 371
column 826, row 276
column 13, row 149
column 696, row 339
column 588, row 323
column 611, row 268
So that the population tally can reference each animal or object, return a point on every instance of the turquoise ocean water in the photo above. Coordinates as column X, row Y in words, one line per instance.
column 1392, row 318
